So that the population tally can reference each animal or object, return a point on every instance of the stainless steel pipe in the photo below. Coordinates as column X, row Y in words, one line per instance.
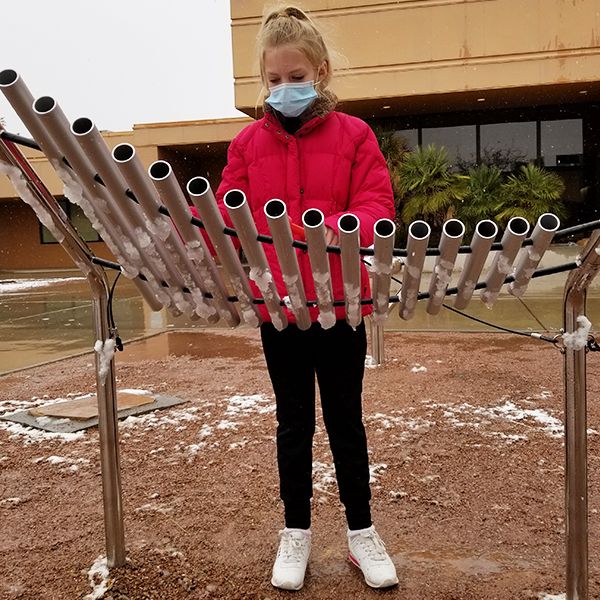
column 529, row 258
column 162, row 239
column 381, row 269
column 452, row 234
column 129, row 214
column 241, row 216
column 172, row 196
column 201, row 195
column 349, row 230
column 516, row 232
column 314, row 233
column 416, row 248
column 279, row 225
column 481, row 242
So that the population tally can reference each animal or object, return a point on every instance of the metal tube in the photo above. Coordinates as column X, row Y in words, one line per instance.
column 576, row 477
column 381, row 268
column 161, row 239
column 260, row 273
column 418, row 236
column 452, row 234
column 481, row 242
column 172, row 196
column 314, row 231
column 377, row 342
column 129, row 215
column 513, row 237
column 349, row 230
column 22, row 101
column 279, row 225
column 529, row 258
column 203, row 199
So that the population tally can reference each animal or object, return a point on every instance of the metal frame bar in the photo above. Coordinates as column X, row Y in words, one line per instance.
column 105, row 385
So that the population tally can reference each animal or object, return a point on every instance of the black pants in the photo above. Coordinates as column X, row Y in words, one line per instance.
column 337, row 357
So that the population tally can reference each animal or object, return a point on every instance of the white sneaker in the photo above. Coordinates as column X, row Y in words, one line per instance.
column 292, row 558
column 368, row 553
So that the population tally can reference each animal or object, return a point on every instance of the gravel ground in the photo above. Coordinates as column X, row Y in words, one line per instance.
column 467, row 454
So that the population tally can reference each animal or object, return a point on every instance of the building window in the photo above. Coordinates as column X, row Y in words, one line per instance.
column 460, row 143
column 410, row 136
column 78, row 220
column 508, row 145
column 562, row 143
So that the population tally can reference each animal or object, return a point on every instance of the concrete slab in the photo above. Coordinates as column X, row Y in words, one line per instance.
column 66, row 425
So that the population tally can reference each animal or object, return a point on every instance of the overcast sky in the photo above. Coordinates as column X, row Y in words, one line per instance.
column 121, row 62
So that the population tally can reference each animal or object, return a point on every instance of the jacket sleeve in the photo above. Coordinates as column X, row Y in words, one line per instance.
column 371, row 197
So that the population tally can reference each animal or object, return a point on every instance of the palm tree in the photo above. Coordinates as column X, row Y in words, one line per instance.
column 393, row 147
column 484, row 192
column 431, row 191
column 529, row 193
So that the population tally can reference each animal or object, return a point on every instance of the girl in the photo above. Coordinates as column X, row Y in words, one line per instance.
column 310, row 156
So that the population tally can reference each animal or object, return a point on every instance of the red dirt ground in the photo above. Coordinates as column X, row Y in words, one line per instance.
column 466, row 452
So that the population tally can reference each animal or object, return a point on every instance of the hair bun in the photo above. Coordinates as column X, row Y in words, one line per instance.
column 292, row 11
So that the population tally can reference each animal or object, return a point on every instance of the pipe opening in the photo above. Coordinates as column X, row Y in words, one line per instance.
column 313, row 217
column 44, row 104
column 348, row 223
column 454, row 228
column 274, row 208
column 234, row 198
column 549, row 222
column 486, row 229
column 419, row 230
column 159, row 169
column 8, row 77
column 123, row 152
column 518, row 226
column 385, row 228
column 82, row 126
column 198, row 186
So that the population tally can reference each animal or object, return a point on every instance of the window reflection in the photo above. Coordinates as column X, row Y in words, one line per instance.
column 508, row 144
column 460, row 142
column 410, row 136
column 562, row 143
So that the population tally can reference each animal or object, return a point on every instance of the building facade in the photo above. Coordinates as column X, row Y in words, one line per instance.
column 519, row 79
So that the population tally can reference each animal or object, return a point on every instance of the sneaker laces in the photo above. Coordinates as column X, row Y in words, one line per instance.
column 373, row 546
column 292, row 545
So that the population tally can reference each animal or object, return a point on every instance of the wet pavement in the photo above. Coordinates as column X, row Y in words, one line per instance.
column 42, row 324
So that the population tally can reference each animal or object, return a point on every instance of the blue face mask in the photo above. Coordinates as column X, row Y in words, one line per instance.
column 292, row 99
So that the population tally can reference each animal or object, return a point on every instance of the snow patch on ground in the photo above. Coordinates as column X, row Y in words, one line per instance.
column 552, row 597
column 418, row 369
column 69, row 463
column 98, row 577
column 29, row 284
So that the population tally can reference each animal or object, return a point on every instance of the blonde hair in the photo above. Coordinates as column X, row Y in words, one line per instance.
column 290, row 25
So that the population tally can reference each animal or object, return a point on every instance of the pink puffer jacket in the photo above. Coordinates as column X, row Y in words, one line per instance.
column 332, row 163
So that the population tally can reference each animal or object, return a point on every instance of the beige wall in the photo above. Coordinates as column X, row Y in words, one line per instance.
column 396, row 50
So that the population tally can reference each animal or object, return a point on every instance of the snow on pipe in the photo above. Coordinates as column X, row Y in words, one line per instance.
column 279, row 225
column 516, row 231
column 156, row 233
column 547, row 225
column 201, row 195
column 22, row 101
column 241, row 216
column 381, row 268
column 130, row 218
column 453, row 231
column 418, row 237
column 173, row 198
column 314, row 233
column 481, row 242
column 349, row 230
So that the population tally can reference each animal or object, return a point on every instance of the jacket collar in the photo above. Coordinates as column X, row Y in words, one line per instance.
column 318, row 111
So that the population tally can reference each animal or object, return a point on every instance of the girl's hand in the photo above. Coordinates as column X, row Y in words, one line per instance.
column 331, row 237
